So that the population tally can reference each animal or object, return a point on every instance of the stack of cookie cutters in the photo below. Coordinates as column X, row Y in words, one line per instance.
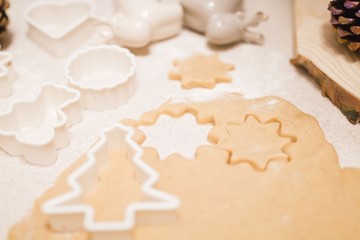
column 67, row 212
column 60, row 101
column 102, row 77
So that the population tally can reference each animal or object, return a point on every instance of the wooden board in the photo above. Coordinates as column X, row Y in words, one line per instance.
column 335, row 68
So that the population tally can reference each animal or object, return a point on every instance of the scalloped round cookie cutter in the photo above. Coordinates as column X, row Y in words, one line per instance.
column 104, row 74
column 49, row 115
column 60, row 26
column 66, row 212
column 7, row 73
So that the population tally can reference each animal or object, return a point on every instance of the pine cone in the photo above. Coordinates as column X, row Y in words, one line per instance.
column 4, row 20
column 345, row 18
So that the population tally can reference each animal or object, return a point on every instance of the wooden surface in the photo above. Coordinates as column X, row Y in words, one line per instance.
column 332, row 65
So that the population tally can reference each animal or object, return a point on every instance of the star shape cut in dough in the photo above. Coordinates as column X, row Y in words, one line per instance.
column 255, row 142
column 201, row 71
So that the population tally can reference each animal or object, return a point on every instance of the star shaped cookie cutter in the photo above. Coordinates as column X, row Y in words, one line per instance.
column 67, row 212
column 59, row 102
column 7, row 74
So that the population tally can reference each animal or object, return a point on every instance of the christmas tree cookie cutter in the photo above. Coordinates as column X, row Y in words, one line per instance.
column 66, row 212
column 104, row 74
column 46, row 118
column 7, row 73
column 60, row 26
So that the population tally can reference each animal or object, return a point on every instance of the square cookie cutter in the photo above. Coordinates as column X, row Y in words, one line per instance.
column 57, row 108
column 7, row 73
column 60, row 26
column 104, row 74
column 67, row 212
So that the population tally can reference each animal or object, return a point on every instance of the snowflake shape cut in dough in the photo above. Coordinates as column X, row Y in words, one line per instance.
column 176, row 136
column 201, row 71
column 255, row 142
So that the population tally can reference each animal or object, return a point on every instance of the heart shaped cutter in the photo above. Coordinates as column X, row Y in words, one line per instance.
column 67, row 212
column 60, row 26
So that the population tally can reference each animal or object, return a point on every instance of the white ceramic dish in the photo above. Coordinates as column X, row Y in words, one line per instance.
column 47, row 118
column 128, row 31
column 104, row 74
column 165, row 18
column 67, row 212
column 60, row 26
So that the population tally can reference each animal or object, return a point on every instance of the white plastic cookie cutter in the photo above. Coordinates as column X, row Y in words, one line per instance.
column 67, row 212
column 36, row 129
column 137, row 23
column 7, row 74
column 104, row 74
column 60, row 26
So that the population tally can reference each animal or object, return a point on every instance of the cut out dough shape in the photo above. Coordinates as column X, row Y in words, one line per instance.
column 309, row 197
column 201, row 71
column 245, row 144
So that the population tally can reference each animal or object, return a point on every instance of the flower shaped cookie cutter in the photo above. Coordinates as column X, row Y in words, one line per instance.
column 104, row 74
column 66, row 212
column 60, row 26
column 54, row 110
column 7, row 73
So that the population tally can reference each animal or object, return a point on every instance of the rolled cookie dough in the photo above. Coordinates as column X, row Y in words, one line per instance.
column 305, row 196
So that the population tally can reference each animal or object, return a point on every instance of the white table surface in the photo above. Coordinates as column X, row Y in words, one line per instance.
column 260, row 71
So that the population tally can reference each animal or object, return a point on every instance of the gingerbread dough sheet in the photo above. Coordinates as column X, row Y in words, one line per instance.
column 294, row 189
